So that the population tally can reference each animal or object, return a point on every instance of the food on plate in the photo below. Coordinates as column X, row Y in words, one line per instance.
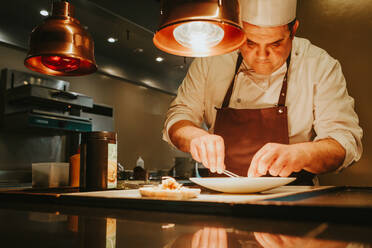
column 170, row 183
column 169, row 188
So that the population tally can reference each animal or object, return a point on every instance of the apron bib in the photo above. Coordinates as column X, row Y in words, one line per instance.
column 245, row 131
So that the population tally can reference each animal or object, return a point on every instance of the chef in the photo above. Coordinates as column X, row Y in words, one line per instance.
column 276, row 107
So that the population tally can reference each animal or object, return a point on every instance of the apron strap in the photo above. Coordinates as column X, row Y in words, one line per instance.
column 283, row 91
column 226, row 100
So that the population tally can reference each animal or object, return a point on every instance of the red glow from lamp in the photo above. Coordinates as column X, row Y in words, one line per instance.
column 61, row 63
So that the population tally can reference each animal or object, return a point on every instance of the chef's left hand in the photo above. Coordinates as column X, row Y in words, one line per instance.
column 279, row 160
column 207, row 237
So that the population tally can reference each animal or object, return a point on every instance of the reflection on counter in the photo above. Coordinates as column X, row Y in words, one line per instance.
column 100, row 233
column 280, row 241
column 230, row 238
column 53, row 226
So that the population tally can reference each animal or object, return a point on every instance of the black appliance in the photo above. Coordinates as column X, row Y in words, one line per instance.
column 29, row 100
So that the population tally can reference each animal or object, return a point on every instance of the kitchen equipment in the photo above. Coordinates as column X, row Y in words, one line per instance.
column 60, row 46
column 98, row 161
column 242, row 184
column 29, row 100
column 199, row 28
column 50, row 175
column 183, row 167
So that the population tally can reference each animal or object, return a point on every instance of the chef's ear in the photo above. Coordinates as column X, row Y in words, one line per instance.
column 293, row 27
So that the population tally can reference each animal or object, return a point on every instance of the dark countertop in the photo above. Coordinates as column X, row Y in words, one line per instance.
column 47, row 219
column 45, row 225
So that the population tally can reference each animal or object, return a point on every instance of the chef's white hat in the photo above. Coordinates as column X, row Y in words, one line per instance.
column 268, row 13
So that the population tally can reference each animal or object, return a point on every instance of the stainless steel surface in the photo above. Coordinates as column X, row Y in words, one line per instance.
column 19, row 78
column 14, row 178
column 20, row 149
column 37, row 105
column 35, row 95
column 102, row 117
column 28, row 89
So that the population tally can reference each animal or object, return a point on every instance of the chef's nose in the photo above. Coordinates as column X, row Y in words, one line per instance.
column 262, row 52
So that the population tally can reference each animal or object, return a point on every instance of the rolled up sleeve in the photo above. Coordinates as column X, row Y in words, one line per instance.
column 189, row 102
column 334, row 113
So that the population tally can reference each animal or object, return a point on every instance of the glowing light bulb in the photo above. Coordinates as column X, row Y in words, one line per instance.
column 199, row 36
column 112, row 40
column 159, row 59
column 61, row 63
column 43, row 12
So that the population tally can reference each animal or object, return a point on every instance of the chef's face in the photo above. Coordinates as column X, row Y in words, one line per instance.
column 267, row 48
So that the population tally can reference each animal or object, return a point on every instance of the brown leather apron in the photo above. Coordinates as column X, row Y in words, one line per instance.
column 245, row 131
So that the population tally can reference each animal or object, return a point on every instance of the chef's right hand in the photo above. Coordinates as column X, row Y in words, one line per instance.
column 209, row 149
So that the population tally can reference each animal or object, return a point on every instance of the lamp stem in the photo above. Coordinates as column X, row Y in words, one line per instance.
column 62, row 8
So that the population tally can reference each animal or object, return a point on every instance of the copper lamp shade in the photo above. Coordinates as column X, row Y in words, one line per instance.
column 60, row 46
column 199, row 28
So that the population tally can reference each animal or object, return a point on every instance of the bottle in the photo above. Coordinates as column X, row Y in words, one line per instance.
column 74, row 172
column 139, row 172
column 140, row 163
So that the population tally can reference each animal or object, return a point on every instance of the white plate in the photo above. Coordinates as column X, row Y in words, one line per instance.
column 242, row 184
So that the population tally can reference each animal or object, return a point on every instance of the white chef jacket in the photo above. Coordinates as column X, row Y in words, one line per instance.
column 317, row 99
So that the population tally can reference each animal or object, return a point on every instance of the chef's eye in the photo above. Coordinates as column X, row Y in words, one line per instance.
column 250, row 43
column 276, row 44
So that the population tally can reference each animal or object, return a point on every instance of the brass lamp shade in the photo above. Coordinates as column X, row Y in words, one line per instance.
column 224, row 14
column 60, row 46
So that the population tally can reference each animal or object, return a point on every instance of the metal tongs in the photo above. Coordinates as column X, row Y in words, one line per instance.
column 229, row 173
column 226, row 172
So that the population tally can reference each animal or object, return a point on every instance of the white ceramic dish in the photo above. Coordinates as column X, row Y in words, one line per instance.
column 242, row 184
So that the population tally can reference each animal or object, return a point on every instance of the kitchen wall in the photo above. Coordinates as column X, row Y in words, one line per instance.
column 138, row 114
column 344, row 29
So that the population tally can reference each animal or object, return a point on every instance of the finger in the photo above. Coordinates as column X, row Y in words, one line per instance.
column 211, row 154
column 253, row 168
column 203, row 155
column 260, row 239
column 222, row 238
column 196, row 239
column 220, row 153
column 252, row 171
column 286, row 171
column 268, row 240
column 213, row 238
column 277, row 166
column 194, row 152
column 266, row 161
column 204, row 238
